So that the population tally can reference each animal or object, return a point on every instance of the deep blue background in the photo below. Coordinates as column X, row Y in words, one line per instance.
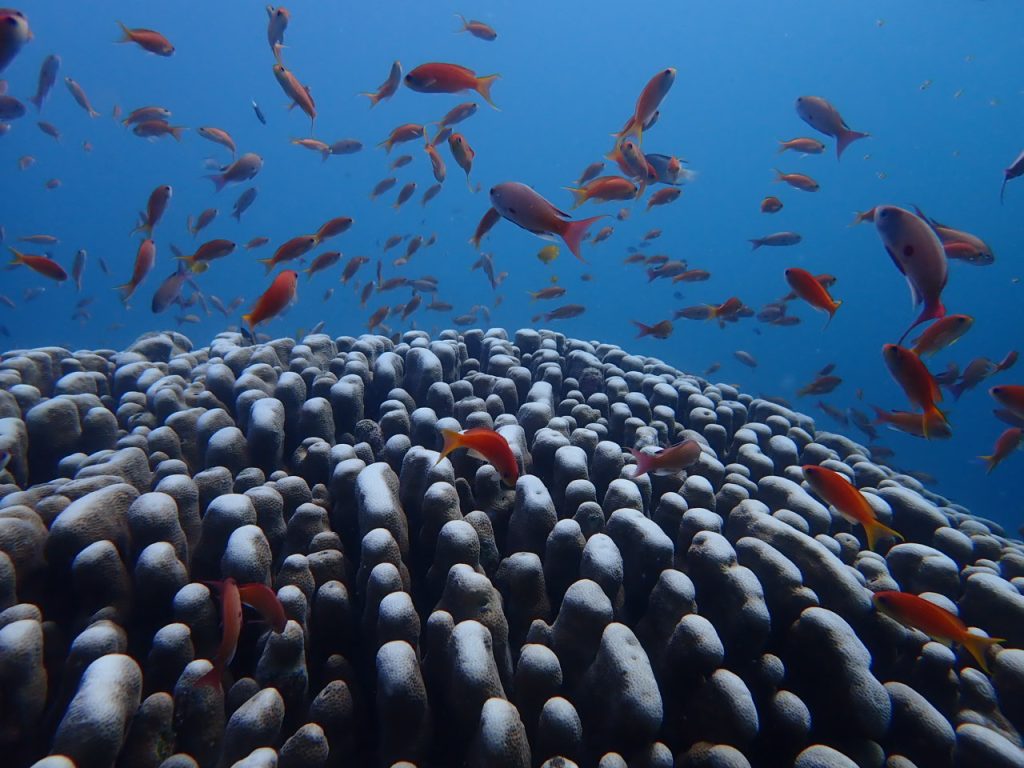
column 570, row 75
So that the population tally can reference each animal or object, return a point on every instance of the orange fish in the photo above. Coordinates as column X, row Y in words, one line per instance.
column 438, row 77
column 798, row 181
column 647, row 104
column 296, row 91
column 941, row 334
column 660, row 330
column 848, row 501
column 692, row 276
column 806, row 146
column 231, row 622
column 436, row 164
column 265, row 601
column 484, row 444
column 145, row 257
column 45, row 266
column 917, row 382
column 1011, row 397
column 807, row 287
column 155, row 207
column 935, row 621
column 279, row 295
column 207, row 252
column 405, row 132
column 1006, row 444
column 388, row 88
column 604, row 189
column 487, row 222
column 771, row 205
column 147, row 39
column 667, row 461
column 912, row 424
column 292, row 249
column 664, row 197
column 463, row 154
column 478, row 29
column 332, row 228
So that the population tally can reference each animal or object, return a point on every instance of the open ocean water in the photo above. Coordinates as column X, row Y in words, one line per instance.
column 937, row 85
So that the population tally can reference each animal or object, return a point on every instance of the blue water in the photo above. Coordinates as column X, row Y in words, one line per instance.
column 571, row 72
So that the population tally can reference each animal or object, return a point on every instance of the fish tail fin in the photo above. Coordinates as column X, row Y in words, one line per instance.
column 615, row 155
column 991, row 462
column 452, row 441
column 755, row 244
column 247, row 319
column 643, row 462
column 218, row 180
column 874, row 530
column 126, row 34
column 930, row 419
column 17, row 257
column 387, row 144
column 268, row 263
column 177, row 131
column 782, row 147
column 978, row 646
column 574, row 232
column 845, row 138
column 579, row 196
column 38, row 101
column 832, row 312
column 93, row 113
column 645, row 330
column 373, row 97
column 483, row 87
column 126, row 290
column 778, row 174
column 652, row 274
column 465, row 24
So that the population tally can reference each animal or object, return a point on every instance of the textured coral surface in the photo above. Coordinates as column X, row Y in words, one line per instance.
column 439, row 618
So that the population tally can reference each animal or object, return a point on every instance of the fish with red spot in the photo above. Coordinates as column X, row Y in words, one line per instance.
column 527, row 209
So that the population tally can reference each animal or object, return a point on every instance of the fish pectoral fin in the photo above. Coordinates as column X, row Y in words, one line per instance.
column 476, row 454
column 895, row 260
column 915, row 296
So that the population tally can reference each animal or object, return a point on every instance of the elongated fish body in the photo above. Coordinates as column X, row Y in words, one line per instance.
column 525, row 208
column 1015, row 170
column 917, row 252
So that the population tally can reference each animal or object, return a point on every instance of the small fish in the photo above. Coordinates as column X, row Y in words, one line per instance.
column 217, row 136
column 145, row 258
column 823, row 117
column 49, row 129
column 243, row 169
column 603, row 234
column 438, row 77
column 47, row 79
column 457, row 114
column 491, row 217
column 231, row 624
column 807, row 287
column 388, row 88
column 821, row 385
column 346, row 147
column 746, row 358
column 170, row 289
column 917, row 383
column 550, row 292
column 147, row 39
column 935, row 621
column 833, row 412
column 155, row 129
column 274, row 300
column 78, row 94
column 486, row 445
column 692, row 276
column 1007, row 443
column 430, row 194
column 39, row 239
column 565, row 312
column 296, row 91
column 402, row 133
column 462, row 153
column 604, row 189
column 522, row 206
column 247, row 198
column 290, row 250
column 664, row 197
column 277, row 23
column 591, row 172
column 1015, row 170
column 25, row 162
column 144, row 114
column 383, row 186
column 209, row 251
column 802, row 145
column 941, row 334
column 477, row 29
column 1011, row 397
column 259, row 112
column 799, row 181
column 333, row 228
column 776, row 239
column 78, row 268
column 404, row 194
column 322, row 262
column 53, row 184
column 436, row 163
column 669, row 461
column 42, row 265
column 848, row 501
column 548, row 253
column 666, row 269
column 156, row 205
column 646, row 110
column 202, row 221
column 401, row 161
column 660, row 330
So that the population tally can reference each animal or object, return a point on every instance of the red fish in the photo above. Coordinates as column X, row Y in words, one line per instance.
column 647, row 104
column 145, row 257
column 231, row 623
column 265, row 601
column 404, row 132
column 386, row 89
column 155, row 207
column 478, row 29
column 45, row 266
column 660, row 330
column 849, row 502
column 279, row 295
column 917, row 382
column 487, row 222
column 935, row 621
column 668, row 461
column 807, row 287
column 1011, row 397
column 438, row 77
column 147, row 39
column 1006, row 444
column 604, row 189
column 822, row 116
column 941, row 334
column 485, row 444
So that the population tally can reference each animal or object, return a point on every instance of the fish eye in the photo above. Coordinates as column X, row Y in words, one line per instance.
column 11, row 21
column 512, row 211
